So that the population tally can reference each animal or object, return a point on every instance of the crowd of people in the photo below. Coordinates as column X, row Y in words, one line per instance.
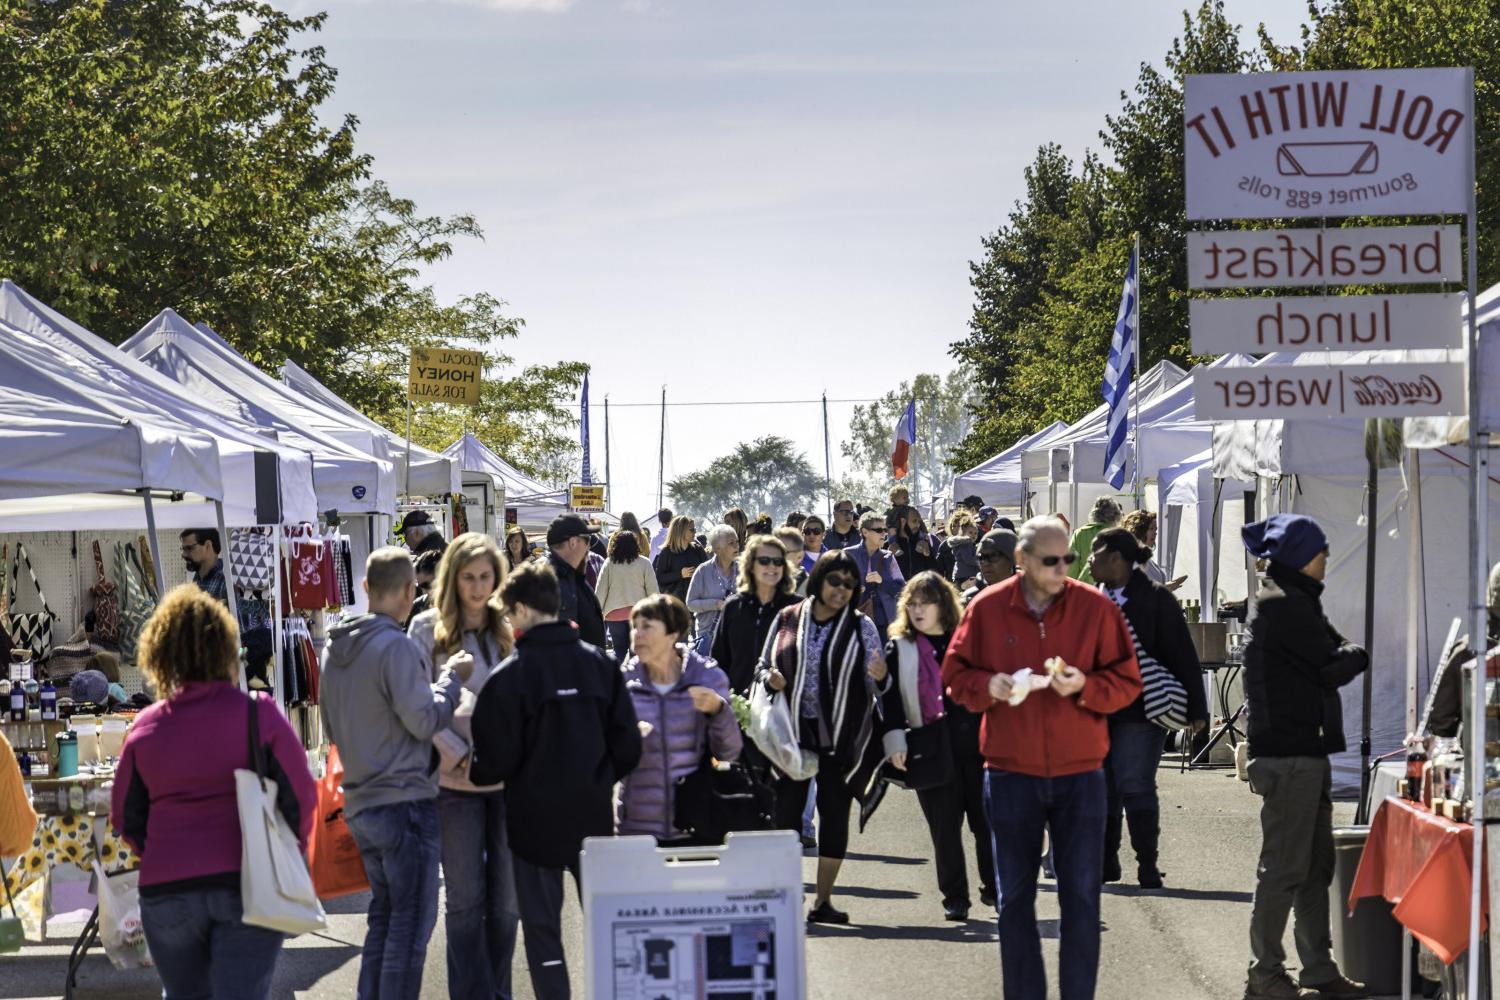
column 1018, row 680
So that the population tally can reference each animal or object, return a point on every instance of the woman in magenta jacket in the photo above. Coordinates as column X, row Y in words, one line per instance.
column 174, row 801
column 682, row 701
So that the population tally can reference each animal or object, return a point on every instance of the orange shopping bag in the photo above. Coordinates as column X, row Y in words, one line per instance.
column 333, row 856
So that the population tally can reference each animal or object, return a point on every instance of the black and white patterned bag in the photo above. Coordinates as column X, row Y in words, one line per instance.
column 29, row 630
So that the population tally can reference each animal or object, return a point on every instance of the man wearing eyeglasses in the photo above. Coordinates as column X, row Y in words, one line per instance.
column 1044, row 738
column 844, row 531
column 997, row 561
column 200, row 552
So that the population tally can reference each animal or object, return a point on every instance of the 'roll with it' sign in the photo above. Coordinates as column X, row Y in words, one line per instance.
column 445, row 375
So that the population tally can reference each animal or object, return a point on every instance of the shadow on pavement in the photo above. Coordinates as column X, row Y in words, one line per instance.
column 888, row 859
column 1216, row 895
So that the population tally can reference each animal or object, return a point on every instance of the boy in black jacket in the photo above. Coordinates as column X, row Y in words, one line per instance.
column 555, row 724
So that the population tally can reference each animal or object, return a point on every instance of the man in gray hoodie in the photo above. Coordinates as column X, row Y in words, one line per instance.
column 381, row 713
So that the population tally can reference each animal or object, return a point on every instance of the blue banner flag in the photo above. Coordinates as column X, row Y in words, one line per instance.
column 583, row 428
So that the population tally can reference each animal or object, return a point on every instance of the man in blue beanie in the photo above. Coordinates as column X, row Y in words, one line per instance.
column 1295, row 662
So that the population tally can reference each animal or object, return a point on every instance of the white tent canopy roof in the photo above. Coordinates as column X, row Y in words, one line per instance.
column 1039, row 462
column 431, row 473
column 127, row 386
column 997, row 480
column 472, row 455
column 345, row 478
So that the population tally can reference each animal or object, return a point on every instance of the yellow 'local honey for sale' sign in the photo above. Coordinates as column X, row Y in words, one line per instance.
column 445, row 375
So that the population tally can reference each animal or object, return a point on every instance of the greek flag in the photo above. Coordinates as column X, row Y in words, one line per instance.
column 583, row 430
column 1117, row 375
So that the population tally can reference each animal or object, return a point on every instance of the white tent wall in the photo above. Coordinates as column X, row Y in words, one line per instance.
column 1335, row 502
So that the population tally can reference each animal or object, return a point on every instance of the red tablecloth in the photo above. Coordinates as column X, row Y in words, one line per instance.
column 1423, row 863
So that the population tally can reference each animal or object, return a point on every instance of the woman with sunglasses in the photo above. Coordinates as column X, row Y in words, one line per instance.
column 880, row 574
column 824, row 656
column 765, row 587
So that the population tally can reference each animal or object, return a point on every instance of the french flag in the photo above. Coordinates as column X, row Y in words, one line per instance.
column 906, row 436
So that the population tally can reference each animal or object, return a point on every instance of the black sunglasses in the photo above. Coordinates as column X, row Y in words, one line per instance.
column 1067, row 559
column 876, row 531
column 769, row 561
column 993, row 556
column 812, row 531
column 843, row 510
column 840, row 581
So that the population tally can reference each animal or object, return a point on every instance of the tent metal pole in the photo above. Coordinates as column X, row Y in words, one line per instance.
column 234, row 601
column 1372, row 538
column 1416, row 622
column 161, row 579
column 1479, row 544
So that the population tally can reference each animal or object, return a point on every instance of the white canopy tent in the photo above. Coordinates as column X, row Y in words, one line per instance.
column 997, row 480
column 1319, row 468
column 345, row 477
column 431, row 473
column 52, row 341
column 535, row 504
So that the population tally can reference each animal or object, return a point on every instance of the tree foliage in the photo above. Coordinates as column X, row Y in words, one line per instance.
column 175, row 153
column 768, row 474
column 943, row 405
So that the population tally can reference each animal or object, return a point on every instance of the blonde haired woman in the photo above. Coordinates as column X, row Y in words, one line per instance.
column 927, row 614
column 678, row 558
column 482, row 912
column 174, row 800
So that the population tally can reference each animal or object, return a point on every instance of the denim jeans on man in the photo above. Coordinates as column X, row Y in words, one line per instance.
column 203, row 949
column 480, row 914
column 1020, row 807
column 399, row 846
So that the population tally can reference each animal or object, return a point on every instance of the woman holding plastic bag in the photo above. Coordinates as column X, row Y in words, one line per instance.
column 482, row 913
column 821, row 670
column 174, row 801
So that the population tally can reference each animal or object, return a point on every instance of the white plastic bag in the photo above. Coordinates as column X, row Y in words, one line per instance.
column 120, row 928
column 772, row 730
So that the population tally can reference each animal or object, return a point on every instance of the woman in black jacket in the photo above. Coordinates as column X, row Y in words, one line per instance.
column 675, row 563
column 1161, row 636
column 765, row 587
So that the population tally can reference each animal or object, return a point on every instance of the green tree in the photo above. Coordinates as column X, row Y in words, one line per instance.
column 943, row 407
column 161, row 153
column 768, row 474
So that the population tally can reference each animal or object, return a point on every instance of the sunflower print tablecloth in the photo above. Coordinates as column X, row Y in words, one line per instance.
column 61, row 840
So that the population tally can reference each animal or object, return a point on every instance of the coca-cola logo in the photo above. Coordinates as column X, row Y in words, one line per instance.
column 1377, row 390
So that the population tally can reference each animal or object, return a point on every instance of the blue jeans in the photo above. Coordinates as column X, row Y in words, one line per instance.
column 481, row 914
column 202, row 948
column 1130, row 767
column 619, row 637
column 1020, row 807
column 399, row 846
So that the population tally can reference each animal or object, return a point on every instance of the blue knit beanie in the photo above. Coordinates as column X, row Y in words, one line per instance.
column 1290, row 539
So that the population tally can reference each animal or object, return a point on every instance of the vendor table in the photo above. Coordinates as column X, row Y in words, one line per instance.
column 75, row 838
column 1423, row 864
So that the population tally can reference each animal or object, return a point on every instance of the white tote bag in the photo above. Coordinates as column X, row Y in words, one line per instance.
column 276, row 889
column 772, row 729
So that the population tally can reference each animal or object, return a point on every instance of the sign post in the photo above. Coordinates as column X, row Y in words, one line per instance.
column 1321, row 144
column 441, row 375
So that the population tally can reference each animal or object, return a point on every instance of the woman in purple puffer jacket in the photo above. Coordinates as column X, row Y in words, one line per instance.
column 682, row 701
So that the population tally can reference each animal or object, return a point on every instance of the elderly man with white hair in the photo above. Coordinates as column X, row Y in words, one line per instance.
column 713, row 583
column 1046, row 659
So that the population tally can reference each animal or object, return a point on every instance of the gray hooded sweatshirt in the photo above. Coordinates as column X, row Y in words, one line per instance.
column 381, row 711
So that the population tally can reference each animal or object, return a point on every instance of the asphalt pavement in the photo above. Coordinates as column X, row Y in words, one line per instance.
column 1183, row 942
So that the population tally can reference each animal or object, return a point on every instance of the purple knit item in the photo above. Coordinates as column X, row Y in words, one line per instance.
column 929, row 682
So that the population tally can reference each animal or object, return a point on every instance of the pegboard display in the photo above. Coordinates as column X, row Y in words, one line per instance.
column 64, row 565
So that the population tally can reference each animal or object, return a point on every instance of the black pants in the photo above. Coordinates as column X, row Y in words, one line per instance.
column 539, row 893
column 834, row 800
column 946, row 808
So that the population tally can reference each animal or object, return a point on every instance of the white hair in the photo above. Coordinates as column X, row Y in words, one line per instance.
column 1038, row 526
column 722, row 536
column 417, row 532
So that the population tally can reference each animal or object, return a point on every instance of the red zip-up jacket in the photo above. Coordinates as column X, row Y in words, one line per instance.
column 1047, row 735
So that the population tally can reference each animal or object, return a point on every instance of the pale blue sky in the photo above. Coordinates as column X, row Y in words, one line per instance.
column 725, row 197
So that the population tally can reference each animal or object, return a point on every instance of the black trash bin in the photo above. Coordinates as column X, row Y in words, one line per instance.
column 1367, row 945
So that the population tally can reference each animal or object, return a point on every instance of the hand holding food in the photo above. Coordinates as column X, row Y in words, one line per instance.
column 1067, row 681
column 1000, row 687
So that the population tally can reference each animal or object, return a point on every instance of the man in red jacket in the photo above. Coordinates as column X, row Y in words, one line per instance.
column 1046, row 659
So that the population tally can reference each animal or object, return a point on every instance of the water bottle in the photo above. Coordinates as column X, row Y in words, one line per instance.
column 49, row 702
column 67, row 754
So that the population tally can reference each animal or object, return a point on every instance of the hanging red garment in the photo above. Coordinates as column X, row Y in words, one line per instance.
column 330, row 570
column 307, row 579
